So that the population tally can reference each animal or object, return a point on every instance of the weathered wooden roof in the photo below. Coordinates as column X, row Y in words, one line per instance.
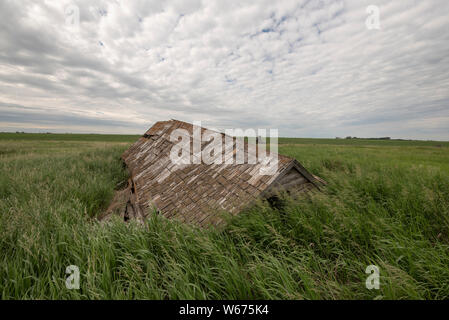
column 195, row 193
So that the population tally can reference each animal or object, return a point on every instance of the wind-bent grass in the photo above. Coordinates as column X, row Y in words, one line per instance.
column 385, row 205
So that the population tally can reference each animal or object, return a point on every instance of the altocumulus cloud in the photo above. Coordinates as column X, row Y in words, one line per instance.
column 308, row 68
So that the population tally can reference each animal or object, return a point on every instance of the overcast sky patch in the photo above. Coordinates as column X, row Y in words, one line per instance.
column 307, row 68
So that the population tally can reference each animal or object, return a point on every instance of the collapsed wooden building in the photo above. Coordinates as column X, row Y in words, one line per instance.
column 197, row 192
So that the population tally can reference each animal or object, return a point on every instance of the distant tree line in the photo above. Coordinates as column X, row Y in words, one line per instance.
column 381, row 138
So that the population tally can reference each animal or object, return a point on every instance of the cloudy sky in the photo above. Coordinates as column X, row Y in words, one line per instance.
column 310, row 68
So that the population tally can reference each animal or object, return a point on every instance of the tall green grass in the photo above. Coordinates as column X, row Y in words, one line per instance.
column 383, row 205
column 67, row 137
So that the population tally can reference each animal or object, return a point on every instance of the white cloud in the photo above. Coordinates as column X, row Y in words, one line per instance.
column 309, row 68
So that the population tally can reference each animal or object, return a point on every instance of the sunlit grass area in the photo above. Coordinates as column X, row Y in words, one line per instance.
column 386, row 204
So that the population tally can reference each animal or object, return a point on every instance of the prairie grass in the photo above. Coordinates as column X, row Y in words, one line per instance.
column 385, row 204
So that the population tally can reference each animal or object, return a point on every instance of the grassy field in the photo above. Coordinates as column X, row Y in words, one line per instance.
column 386, row 204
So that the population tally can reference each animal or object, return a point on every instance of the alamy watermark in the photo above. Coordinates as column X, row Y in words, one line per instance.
column 212, row 147
column 373, row 280
column 72, row 282
column 72, row 16
column 372, row 22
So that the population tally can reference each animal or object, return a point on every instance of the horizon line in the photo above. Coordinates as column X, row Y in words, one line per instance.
column 284, row 137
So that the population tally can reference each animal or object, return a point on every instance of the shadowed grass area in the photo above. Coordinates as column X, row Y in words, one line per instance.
column 385, row 205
